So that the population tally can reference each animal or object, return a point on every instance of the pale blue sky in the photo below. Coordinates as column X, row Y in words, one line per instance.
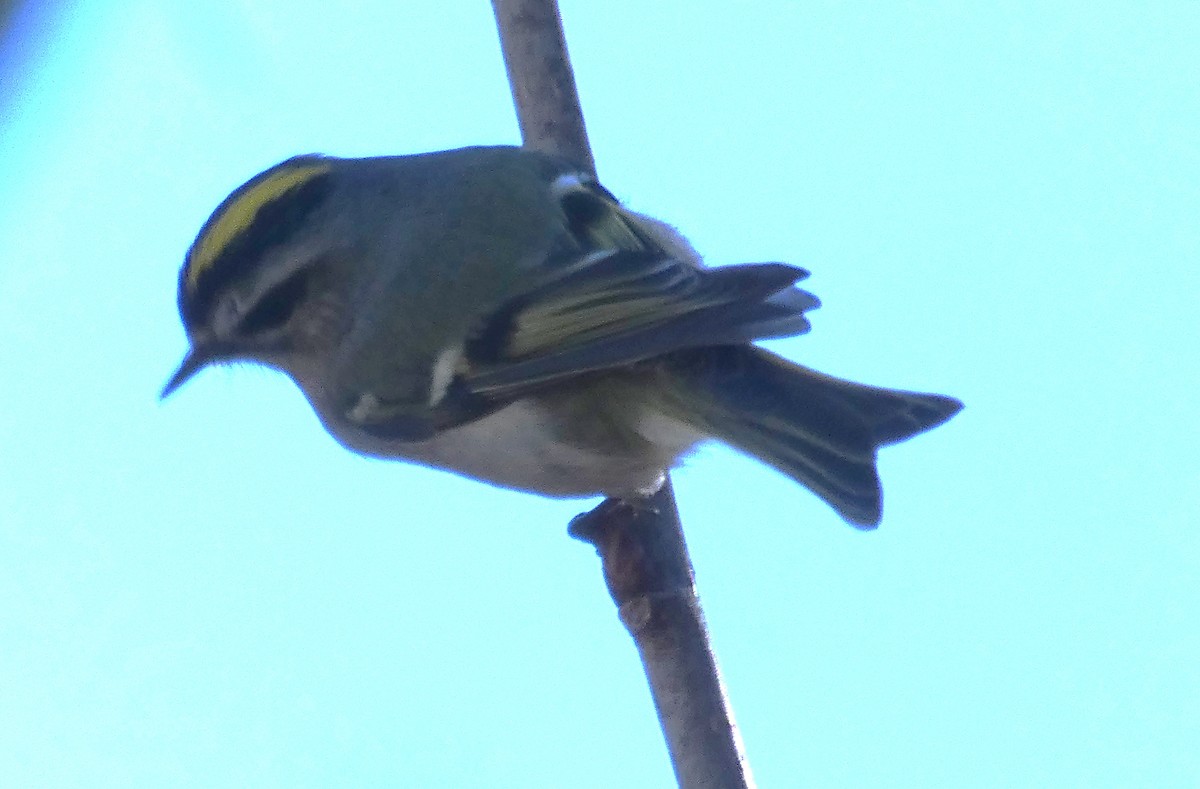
column 997, row 203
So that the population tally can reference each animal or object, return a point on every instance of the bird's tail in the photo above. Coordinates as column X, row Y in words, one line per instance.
column 821, row 431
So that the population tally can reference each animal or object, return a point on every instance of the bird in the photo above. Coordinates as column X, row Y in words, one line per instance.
column 496, row 312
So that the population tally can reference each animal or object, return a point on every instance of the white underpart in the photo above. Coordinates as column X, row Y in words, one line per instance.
column 517, row 447
column 673, row 437
column 663, row 431
column 444, row 368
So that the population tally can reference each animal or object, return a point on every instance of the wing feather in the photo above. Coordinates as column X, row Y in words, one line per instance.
column 628, row 306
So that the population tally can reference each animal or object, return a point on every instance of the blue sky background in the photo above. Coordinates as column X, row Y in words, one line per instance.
column 999, row 203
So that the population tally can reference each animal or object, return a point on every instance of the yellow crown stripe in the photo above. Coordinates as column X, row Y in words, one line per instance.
column 240, row 213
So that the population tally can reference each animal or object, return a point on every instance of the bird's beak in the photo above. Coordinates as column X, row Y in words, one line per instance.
column 194, row 362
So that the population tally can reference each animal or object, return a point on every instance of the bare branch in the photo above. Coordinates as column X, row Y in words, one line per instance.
column 649, row 576
column 640, row 543
column 540, row 76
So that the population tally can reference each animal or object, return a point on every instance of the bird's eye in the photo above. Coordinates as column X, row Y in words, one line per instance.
column 276, row 305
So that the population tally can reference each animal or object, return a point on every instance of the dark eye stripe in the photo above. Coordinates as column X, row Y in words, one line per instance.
column 276, row 306
column 274, row 223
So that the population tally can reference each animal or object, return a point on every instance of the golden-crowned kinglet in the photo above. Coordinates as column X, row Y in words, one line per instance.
column 497, row 313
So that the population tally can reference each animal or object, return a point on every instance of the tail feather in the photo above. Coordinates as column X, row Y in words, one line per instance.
column 821, row 431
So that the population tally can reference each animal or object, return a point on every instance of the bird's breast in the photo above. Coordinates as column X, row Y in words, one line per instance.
column 525, row 446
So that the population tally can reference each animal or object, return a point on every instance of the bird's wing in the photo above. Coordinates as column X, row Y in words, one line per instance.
column 619, row 289
column 618, row 307
column 624, row 289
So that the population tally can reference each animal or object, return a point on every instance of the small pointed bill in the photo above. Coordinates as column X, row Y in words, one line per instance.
column 192, row 364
